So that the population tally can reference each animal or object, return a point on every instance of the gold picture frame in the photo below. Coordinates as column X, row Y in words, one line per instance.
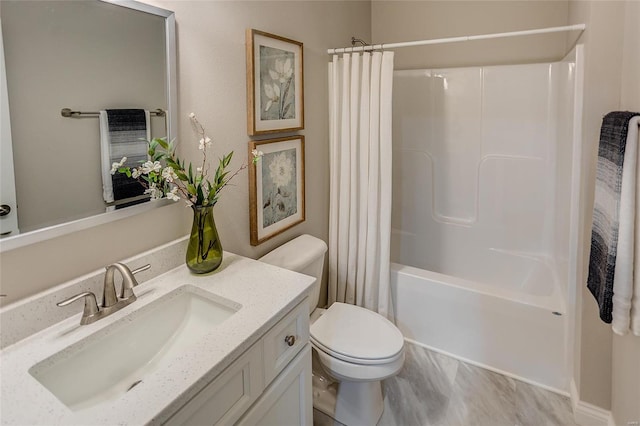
column 276, row 187
column 275, row 83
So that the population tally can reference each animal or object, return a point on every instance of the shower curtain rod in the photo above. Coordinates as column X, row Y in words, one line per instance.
column 576, row 27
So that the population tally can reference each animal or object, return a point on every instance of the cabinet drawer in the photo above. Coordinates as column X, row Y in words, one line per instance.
column 284, row 340
column 230, row 394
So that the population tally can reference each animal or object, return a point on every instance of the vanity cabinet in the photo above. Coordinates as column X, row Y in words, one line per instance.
column 269, row 384
column 288, row 400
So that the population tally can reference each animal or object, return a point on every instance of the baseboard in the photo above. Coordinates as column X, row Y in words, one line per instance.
column 586, row 414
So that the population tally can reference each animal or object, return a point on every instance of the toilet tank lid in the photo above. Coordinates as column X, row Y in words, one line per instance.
column 297, row 253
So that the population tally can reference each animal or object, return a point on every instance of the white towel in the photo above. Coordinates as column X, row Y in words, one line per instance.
column 626, row 284
column 117, row 141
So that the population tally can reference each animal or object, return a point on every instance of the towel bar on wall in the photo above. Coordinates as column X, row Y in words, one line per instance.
column 68, row 112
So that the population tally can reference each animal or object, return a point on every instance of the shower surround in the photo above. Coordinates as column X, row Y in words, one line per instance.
column 482, row 200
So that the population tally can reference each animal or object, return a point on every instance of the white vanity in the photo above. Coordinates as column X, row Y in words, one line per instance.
column 230, row 347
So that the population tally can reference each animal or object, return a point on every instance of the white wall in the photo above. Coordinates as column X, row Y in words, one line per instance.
column 211, row 67
column 63, row 54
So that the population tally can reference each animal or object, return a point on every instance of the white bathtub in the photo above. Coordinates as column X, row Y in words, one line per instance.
column 512, row 329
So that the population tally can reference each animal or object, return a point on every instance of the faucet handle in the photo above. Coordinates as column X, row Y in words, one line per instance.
column 90, row 306
column 142, row 268
column 130, row 282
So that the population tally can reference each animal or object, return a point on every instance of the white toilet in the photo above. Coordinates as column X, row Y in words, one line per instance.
column 356, row 346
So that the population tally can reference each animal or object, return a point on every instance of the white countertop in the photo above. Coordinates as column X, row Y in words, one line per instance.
column 265, row 292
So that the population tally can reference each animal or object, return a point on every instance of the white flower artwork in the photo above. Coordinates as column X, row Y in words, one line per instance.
column 281, row 168
column 277, row 79
column 275, row 83
column 276, row 198
column 279, row 188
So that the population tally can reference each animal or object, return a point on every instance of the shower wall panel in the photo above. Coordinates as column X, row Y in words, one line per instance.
column 474, row 164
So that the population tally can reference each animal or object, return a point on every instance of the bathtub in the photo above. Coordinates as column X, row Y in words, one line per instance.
column 510, row 319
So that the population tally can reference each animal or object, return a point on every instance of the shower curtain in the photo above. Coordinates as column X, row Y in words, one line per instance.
column 360, row 88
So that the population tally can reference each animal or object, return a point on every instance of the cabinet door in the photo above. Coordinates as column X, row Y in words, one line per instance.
column 225, row 399
column 287, row 401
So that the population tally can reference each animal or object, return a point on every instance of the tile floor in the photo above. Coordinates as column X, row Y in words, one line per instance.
column 433, row 389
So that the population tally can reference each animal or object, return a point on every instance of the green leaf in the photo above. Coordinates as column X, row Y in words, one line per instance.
column 162, row 142
column 190, row 173
column 175, row 166
column 200, row 194
column 227, row 159
column 151, row 152
column 191, row 189
column 222, row 176
column 181, row 175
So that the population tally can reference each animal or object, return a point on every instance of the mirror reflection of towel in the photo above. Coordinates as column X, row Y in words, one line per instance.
column 123, row 133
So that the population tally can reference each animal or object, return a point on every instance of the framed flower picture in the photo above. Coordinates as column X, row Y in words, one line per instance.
column 276, row 187
column 275, row 98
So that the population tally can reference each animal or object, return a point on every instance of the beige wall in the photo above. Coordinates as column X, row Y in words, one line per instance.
column 396, row 21
column 50, row 67
column 211, row 68
column 625, row 392
column 603, row 68
column 608, row 370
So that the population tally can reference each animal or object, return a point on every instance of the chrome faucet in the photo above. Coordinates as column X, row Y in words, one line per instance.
column 111, row 302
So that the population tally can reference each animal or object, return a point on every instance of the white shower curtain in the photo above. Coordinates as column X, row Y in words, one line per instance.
column 360, row 88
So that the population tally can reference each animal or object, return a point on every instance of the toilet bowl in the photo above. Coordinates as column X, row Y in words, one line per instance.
column 355, row 346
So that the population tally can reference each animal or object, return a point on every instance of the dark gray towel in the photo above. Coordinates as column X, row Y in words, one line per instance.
column 128, row 134
column 606, row 209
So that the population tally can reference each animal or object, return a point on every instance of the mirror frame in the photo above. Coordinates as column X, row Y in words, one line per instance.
column 43, row 234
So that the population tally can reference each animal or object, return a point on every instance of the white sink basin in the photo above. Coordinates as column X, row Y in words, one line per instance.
column 107, row 364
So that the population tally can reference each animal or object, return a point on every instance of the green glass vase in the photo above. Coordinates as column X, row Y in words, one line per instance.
column 204, row 253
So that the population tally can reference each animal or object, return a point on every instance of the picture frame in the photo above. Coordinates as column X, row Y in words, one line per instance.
column 276, row 187
column 275, row 83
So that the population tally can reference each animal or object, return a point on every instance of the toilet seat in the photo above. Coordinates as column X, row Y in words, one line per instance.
column 357, row 336
column 348, row 371
column 353, row 360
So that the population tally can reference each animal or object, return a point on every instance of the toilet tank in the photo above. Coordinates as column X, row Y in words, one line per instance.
column 305, row 255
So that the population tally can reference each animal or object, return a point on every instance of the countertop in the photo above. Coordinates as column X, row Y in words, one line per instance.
column 265, row 293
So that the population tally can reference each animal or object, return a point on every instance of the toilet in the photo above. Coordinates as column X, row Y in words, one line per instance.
column 356, row 347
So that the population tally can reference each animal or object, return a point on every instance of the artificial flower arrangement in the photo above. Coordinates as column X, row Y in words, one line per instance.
column 173, row 179
column 165, row 175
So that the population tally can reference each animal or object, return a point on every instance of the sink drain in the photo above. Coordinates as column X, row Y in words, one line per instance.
column 134, row 384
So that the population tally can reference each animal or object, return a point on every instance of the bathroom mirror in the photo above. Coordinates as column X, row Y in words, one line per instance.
column 87, row 56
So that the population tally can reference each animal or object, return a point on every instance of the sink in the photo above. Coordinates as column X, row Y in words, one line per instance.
column 112, row 361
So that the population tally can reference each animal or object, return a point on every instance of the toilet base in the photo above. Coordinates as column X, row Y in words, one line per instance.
column 350, row 403
column 359, row 403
